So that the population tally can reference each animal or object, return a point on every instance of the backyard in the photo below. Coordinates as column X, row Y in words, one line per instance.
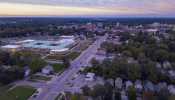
column 72, row 56
column 18, row 93
column 38, row 77
column 4, row 88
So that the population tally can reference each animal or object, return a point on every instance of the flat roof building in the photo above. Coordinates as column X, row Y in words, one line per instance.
column 10, row 48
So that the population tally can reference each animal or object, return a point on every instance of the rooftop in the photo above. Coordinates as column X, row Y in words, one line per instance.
column 90, row 74
column 11, row 46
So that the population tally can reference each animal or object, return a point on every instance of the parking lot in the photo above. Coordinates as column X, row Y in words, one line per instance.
column 80, row 81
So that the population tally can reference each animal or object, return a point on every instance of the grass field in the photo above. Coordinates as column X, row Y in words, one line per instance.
column 72, row 55
column 4, row 88
column 38, row 77
column 18, row 93
column 83, row 48
column 57, row 66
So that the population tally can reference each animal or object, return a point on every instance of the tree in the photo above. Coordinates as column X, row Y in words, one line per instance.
column 134, row 72
column 130, row 43
column 161, row 55
column 95, row 63
column 153, row 78
column 148, row 95
column 142, row 59
column 27, row 56
column 166, row 41
column 109, row 96
column 120, row 48
column 117, row 95
column 85, row 90
column 172, row 97
column 127, row 53
column 164, row 94
column 37, row 64
column 151, row 40
column 136, row 52
column 131, row 93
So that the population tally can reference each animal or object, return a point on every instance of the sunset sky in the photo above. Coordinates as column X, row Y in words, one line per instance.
column 87, row 8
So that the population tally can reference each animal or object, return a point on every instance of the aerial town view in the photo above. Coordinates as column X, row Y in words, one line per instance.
column 87, row 50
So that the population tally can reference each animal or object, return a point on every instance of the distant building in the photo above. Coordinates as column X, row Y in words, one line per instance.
column 117, row 24
column 138, row 85
column 172, row 74
column 66, row 37
column 99, row 24
column 158, row 64
column 81, row 40
column 150, row 86
column 10, row 48
column 171, row 88
column 156, row 24
column 48, row 70
column 159, row 86
column 118, row 83
column 88, row 26
column 90, row 77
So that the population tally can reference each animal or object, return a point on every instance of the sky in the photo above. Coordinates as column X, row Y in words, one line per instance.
column 87, row 8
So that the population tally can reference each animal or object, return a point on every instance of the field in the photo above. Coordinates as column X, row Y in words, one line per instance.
column 4, row 88
column 18, row 93
column 83, row 48
column 72, row 56
column 57, row 66
column 38, row 77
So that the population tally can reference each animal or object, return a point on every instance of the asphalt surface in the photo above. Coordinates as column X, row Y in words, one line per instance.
column 51, row 90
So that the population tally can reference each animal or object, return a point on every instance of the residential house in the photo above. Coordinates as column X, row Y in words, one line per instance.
column 159, row 86
column 171, row 88
column 111, row 80
column 26, row 70
column 118, row 83
column 166, row 64
column 81, row 40
column 138, row 85
column 128, row 83
column 158, row 65
column 130, row 59
column 90, row 77
column 48, row 69
column 172, row 74
column 150, row 86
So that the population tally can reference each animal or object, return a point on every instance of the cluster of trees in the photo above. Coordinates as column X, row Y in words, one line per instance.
column 100, row 92
column 18, row 61
column 66, row 62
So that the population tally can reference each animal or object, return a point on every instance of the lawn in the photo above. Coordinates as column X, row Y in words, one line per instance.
column 83, row 48
column 18, row 93
column 72, row 55
column 4, row 88
column 57, row 67
column 38, row 77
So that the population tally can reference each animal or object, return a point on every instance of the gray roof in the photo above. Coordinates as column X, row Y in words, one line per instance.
column 48, row 67
column 128, row 83
column 111, row 80
column 80, row 37
column 137, row 82
column 160, row 86
column 150, row 86
column 26, row 68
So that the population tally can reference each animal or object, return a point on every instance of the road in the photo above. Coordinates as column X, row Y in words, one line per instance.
column 51, row 90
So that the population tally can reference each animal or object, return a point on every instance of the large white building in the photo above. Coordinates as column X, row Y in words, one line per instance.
column 90, row 77
column 10, row 48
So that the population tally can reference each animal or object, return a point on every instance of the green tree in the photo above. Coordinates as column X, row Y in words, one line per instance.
column 117, row 95
column 166, row 41
column 142, row 59
column 120, row 48
column 134, row 71
column 153, row 78
column 127, row 53
column 131, row 93
column 161, row 55
column 109, row 96
column 85, row 90
column 172, row 97
column 151, row 40
column 66, row 64
column 136, row 52
column 37, row 64
column 164, row 94
column 27, row 56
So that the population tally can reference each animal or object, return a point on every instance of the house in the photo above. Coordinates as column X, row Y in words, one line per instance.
column 130, row 59
column 150, row 86
column 158, row 65
column 171, row 88
column 172, row 74
column 48, row 69
column 26, row 70
column 128, row 83
column 118, row 83
column 90, row 77
column 159, row 86
column 166, row 64
column 81, row 40
column 111, row 80
column 138, row 85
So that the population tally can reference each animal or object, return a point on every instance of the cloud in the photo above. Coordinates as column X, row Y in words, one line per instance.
column 100, row 6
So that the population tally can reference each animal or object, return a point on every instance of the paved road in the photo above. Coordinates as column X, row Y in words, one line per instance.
column 60, row 84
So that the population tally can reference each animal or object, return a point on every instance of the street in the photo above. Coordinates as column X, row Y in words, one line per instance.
column 50, row 90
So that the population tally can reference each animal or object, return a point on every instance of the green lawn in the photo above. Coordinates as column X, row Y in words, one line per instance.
column 18, row 93
column 4, row 88
column 83, row 48
column 38, row 77
column 57, row 66
column 61, row 72
column 72, row 55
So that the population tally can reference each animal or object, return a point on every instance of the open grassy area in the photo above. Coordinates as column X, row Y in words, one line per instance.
column 57, row 66
column 58, row 96
column 72, row 55
column 18, row 93
column 38, row 77
column 4, row 88
column 83, row 48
